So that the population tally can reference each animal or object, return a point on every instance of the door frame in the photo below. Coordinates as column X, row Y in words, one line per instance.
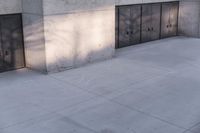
column 117, row 23
column 22, row 32
column 177, row 2
column 151, row 4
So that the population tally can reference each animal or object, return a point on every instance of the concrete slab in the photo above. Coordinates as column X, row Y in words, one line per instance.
column 172, row 98
column 49, row 124
column 109, row 77
column 109, row 117
column 194, row 129
column 19, row 114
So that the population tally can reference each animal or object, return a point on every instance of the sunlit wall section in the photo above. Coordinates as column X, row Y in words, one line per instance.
column 34, row 41
column 189, row 18
column 78, row 32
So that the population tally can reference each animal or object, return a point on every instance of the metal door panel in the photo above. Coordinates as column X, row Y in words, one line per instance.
column 173, row 19
column 146, row 22
column 155, row 21
column 165, row 20
column 1, row 56
column 135, row 24
column 169, row 19
column 124, row 26
column 12, row 42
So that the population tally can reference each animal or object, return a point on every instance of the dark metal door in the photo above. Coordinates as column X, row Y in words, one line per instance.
column 1, row 56
column 150, row 22
column 146, row 22
column 165, row 20
column 124, row 26
column 12, row 42
column 173, row 19
column 135, row 24
column 129, row 25
column 169, row 19
column 155, row 21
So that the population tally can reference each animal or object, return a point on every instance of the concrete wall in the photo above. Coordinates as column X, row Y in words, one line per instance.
column 67, row 6
column 80, row 31
column 78, row 38
column 10, row 6
column 34, row 34
column 189, row 18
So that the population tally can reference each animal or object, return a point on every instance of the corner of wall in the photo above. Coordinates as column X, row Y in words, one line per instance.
column 34, row 41
column 189, row 18
column 76, row 35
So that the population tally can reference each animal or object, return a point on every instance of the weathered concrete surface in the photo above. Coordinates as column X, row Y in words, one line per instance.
column 34, row 39
column 75, row 39
column 33, row 6
column 148, row 88
column 65, row 6
column 10, row 6
column 189, row 18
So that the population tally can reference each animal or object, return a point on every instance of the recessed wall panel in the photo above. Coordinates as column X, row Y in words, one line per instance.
column 146, row 22
column 129, row 20
column 169, row 19
column 124, row 26
column 155, row 21
column 174, row 19
column 150, row 22
column 11, row 42
column 1, row 56
column 135, row 24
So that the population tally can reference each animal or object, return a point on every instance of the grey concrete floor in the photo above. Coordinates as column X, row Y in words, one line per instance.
column 148, row 88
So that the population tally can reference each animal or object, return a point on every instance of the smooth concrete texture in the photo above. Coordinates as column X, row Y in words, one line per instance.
column 189, row 18
column 147, row 88
column 33, row 6
column 75, row 39
column 34, row 39
column 34, row 42
column 10, row 6
column 65, row 6
column 70, row 6
column 195, row 129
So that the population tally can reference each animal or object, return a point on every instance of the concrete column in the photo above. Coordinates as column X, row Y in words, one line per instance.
column 34, row 40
